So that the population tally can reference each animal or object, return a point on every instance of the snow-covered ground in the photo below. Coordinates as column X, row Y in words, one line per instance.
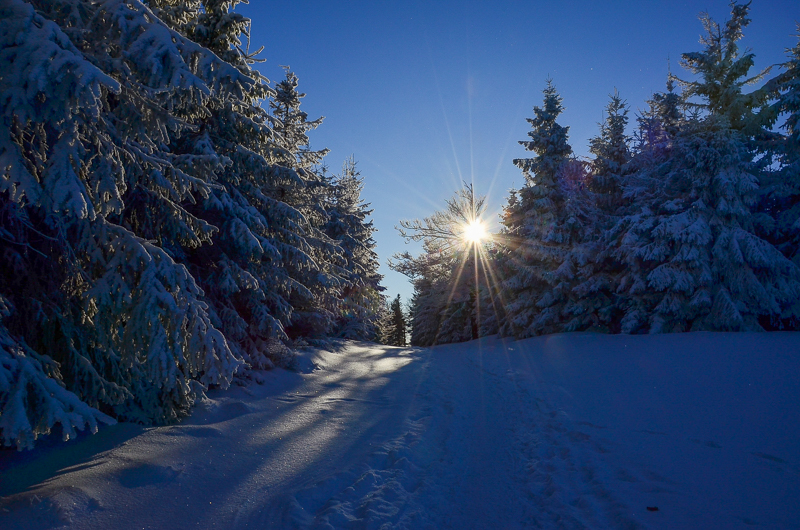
column 565, row 431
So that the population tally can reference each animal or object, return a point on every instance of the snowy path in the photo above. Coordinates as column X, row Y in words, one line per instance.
column 568, row 431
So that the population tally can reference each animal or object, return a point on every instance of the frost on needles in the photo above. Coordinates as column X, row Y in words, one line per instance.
column 153, row 239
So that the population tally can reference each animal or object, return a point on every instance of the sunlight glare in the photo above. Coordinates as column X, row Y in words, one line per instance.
column 475, row 232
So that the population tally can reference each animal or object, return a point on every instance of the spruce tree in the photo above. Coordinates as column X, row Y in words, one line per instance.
column 783, row 185
column 593, row 302
column 360, row 310
column 302, row 186
column 611, row 156
column 397, row 336
column 541, row 226
column 89, row 174
column 706, row 268
column 261, row 268
column 657, row 132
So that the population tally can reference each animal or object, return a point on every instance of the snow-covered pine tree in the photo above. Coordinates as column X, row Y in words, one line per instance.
column 33, row 399
column 303, row 186
column 657, row 131
column 383, row 324
column 696, row 236
column 611, row 155
column 780, row 189
column 243, row 273
column 593, row 303
column 266, row 256
column 215, row 26
column 783, row 189
column 540, row 228
column 93, row 95
column 361, row 306
column 177, row 14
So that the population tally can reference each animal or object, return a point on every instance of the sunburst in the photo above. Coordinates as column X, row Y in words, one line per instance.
column 475, row 232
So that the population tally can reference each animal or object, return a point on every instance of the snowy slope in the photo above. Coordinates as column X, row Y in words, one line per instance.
column 565, row 431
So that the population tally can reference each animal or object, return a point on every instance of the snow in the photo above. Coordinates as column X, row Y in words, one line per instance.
column 562, row 431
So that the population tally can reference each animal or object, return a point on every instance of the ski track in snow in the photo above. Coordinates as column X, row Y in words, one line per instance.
column 568, row 431
column 479, row 451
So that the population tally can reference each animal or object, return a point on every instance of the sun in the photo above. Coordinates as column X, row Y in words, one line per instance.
column 475, row 232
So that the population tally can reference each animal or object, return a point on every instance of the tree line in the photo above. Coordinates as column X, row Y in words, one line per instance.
column 165, row 225
column 690, row 223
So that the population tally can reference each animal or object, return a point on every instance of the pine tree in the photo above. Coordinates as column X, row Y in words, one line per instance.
column 783, row 185
column 611, row 156
column 216, row 27
column 541, row 226
column 780, row 189
column 383, row 331
column 245, row 284
column 89, row 176
column 302, row 186
column 723, row 72
column 592, row 302
column 264, row 265
column 695, row 238
column 361, row 305
column 32, row 394
column 397, row 336
column 657, row 132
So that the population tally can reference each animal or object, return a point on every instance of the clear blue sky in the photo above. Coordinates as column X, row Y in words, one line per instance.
column 427, row 94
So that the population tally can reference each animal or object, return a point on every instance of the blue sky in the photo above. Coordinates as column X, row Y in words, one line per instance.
column 427, row 94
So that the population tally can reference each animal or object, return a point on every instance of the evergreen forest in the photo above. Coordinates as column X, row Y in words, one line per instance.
column 689, row 223
column 166, row 227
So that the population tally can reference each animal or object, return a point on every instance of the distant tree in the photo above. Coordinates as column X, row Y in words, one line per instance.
column 383, row 330
column 397, row 336
column 446, row 302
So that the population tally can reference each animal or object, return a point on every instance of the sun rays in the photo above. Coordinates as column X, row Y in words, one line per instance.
column 456, row 276
column 475, row 232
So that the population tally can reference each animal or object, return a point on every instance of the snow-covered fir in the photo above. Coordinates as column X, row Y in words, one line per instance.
column 691, row 241
column 541, row 227
column 153, row 242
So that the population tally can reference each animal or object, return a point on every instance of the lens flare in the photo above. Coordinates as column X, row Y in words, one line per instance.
column 475, row 232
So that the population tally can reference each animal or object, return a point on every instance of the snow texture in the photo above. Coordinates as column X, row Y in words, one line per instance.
column 562, row 431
